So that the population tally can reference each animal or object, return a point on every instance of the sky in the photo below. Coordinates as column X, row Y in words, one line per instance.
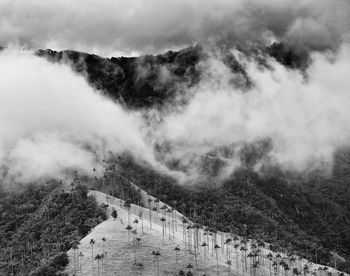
column 133, row 27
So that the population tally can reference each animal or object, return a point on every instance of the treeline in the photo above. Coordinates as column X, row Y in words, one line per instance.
column 40, row 224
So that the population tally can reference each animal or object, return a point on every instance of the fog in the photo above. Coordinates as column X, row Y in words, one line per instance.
column 304, row 118
column 53, row 122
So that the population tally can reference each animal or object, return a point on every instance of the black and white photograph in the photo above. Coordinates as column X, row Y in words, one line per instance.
column 175, row 138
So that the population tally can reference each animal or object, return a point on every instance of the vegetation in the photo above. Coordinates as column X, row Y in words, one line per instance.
column 39, row 224
column 309, row 217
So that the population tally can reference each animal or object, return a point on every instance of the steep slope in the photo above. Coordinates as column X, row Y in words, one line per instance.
column 120, row 251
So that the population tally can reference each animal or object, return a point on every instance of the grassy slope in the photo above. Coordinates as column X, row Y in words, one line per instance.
column 119, row 251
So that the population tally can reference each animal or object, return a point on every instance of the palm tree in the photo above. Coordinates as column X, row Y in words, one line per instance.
column 229, row 263
column 98, row 258
column 254, row 267
column 184, row 222
column 141, row 217
column 243, row 248
column 270, row 257
column 169, row 211
column 81, row 255
column 136, row 221
column 103, row 244
column 149, row 200
column 204, row 245
column 189, row 267
column 162, row 219
column 295, row 271
column 136, row 244
column 92, row 243
column 127, row 205
column 177, row 249
column 216, row 247
column 129, row 228
column 141, row 267
column 250, row 255
column 75, row 248
column 157, row 254
column 227, row 243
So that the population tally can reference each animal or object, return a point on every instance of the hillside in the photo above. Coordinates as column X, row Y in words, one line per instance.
column 122, row 256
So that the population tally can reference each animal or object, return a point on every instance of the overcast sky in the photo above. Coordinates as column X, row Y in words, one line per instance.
column 114, row 27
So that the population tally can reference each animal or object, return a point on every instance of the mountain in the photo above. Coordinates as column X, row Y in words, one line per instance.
column 148, row 81
column 308, row 214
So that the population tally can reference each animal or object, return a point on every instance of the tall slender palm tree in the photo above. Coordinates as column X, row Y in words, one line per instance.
column 98, row 258
column 75, row 249
column 157, row 254
column 189, row 267
column 244, row 261
column 128, row 228
column 163, row 220
column 229, row 263
column 177, row 249
column 184, row 226
column 136, row 222
column 227, row 243
column 205, row 245
column 141, row 267
column 103, row 245
column 136, row 244
column 127, row 205
column 81, row 255
column 149, row 200
column 217, row 247
column 270, row 258
column 92, row 243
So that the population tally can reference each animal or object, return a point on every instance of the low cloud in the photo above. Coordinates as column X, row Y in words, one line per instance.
column 299, row 120
column 53, row 122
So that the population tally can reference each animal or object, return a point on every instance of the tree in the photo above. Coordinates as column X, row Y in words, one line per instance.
column 162, row 219
column 98, row 258
column 136, row 222
column 92, row 243
column 150, row 212
column 103, row 244
column 156, row 254
column 216, row 247
column 177, row 249
column 229, row 263
column 128, row 228
column 75, row 248
column 136, row 245
column 189, row 267
column 205, row 245
column 127, row 205
column 114, row 214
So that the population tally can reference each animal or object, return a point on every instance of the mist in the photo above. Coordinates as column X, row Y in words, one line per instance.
column 131, row 27
column 52, row 122
column 297, row 120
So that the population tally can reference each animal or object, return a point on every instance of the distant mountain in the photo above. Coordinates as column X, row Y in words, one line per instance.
column 152, row 80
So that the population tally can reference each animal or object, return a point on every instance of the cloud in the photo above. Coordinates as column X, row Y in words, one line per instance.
column 52, row 121
column 110, row 27
column 303, row 120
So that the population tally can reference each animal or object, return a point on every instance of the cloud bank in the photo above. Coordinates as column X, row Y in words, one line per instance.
column 52, row 121
column 110, row 27
column 299, row 121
